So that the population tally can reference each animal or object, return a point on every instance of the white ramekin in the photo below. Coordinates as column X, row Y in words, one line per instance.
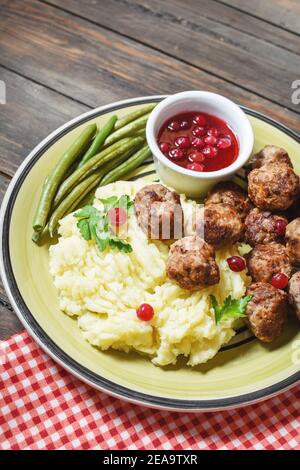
column 189, row 182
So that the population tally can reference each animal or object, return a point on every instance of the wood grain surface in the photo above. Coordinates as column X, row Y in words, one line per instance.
column 59, row 58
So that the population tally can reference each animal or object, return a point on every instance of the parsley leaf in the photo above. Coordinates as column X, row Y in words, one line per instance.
column 232, row 308
column 95, row 225
column 120, row 245
column 84, row 228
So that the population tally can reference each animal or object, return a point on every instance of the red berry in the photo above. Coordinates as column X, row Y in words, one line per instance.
column 200, row 120
column 280, row 281
column 185, row 124
column 236, row 263
column 183, row 142
column 195, row 166
column 198, row 143
column 199, row 131
column 280, row 226
column 223, row 143
column 196, row 157
column 210, row 140
column 164, row 147
column 210, row 152
column 174, row 126
column 176, row 153
column 213, row 131
column 117, row 216
column 145, row 312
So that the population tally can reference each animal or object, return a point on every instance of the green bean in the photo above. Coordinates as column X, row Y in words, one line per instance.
column 71, row 201
column 36, row 236
column 140, row 133
column 99, row 140
column 134, row 115
column 57, row 175
column 94, row 163
column 127, row 130
column 128, row 166
column 76, row 194
column 109, row 166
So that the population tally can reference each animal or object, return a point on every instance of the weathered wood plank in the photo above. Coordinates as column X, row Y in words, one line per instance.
column 97, row 66
column 31, row 112
column 250, row 62
column 119, row 15
column 284, row 13
column 9, row 323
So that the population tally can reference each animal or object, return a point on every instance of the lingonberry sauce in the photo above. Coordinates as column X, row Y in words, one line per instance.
column 190, row 138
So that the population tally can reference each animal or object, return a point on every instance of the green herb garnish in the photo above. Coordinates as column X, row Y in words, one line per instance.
column 232, row 308
column 95, row 224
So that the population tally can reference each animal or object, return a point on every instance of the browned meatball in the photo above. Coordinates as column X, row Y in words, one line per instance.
column 266, row 311
column 294, row 293
column 159, row 212
column 292, row 236
column 219, row 225
column 270, row 154
column 192, row 264
column 273, row 187
column 264, row 261
column 260, row 227
column 230, row 193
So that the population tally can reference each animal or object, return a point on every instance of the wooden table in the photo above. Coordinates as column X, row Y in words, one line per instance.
column 59, row 59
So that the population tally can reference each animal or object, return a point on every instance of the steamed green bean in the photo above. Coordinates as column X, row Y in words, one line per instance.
column 134, row 115
column 93, row 164
column 57, row 175
column 99, row 140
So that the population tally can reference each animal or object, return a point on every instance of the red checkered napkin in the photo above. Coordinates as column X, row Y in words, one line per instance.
column 44, row 407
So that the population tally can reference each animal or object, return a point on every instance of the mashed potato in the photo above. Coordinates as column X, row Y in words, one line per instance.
column 103, row 291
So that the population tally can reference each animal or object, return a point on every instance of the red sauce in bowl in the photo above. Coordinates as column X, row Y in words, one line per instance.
column 198, row 141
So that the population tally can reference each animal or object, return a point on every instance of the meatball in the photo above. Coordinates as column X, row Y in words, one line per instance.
column 264, row 261
column 292, row 236
column 294, row 293
column 230, row 193
column 219, row 225
column 192, row 264
column 270, row 154
column 266, row 311
column 260, row 227
column 159, row 213
column 273, row 187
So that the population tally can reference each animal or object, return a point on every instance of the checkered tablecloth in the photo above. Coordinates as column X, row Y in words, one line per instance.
column 44, row 407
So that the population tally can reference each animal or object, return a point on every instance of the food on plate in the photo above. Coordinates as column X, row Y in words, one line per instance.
column 274, row 187
column 191, row 264
column 231, row 308
column 130, row 117
column 143, row 268
column 219, row 224
column 230, row 193
column 270, row 154
column 105, row 289
column 57, row 175
column 99, row 140
column 292, row 236
column 96, row 157
column 159, row 212
column 266, row 311
column 121, row 151
column 294, row 293
column 198, row 141
column 266, row 261
column 125, row 168
column 264, row 227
